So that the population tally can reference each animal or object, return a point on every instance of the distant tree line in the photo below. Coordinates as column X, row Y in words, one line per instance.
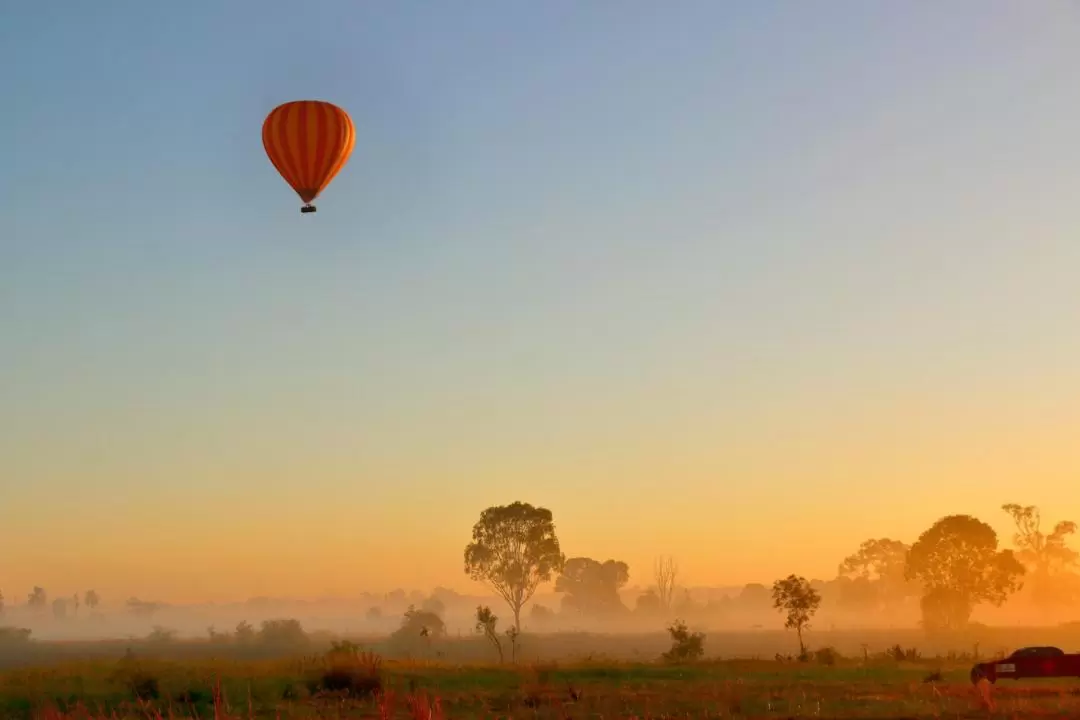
column 951, row 568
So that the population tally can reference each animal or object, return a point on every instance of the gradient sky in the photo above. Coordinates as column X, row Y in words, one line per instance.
column 745, row 283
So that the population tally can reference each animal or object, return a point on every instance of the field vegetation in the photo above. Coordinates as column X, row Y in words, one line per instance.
column 763, row 652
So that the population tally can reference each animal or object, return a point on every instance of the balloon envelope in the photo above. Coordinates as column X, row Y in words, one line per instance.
column 308, row 141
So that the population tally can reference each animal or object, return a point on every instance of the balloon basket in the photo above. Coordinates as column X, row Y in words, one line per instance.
column 307, row 209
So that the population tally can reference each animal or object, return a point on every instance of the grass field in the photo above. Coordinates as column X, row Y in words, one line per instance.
column 428, row 691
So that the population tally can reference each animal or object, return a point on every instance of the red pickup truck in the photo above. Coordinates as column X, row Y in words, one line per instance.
column 1029, row 662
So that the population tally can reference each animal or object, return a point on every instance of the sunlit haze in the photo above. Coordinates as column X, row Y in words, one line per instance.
column 740, row 283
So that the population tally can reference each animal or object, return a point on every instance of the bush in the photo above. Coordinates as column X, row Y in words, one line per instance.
column 14, row 636
column 142, row 684
column 685, row 646
column 283, row 634
column 349, row 670
column 826, row 656
column 161, row 635
column 899, row 654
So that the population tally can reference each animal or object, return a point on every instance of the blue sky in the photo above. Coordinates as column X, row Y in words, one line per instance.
column 579, row 247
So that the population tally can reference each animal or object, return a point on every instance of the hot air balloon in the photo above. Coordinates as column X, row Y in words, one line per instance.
column 308, row 141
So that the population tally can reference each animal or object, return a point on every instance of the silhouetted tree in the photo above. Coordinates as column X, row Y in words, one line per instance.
column 485, row 624
column 877, row 572
column 59, row 608
column 799, row 601
column 91, row 599
column 1046, row 556
column 433, row 605
column 541, row 615
column 685, row 645
column 217, row 638
column 38, row 599
column 143, row 608
column 418, row 626
column 686, row 606
column 75, row 603
column 665, row 572
column 648, row 603
column 374, row 613
column 13, row 636
column 754, row 596
column 958, row 563
column 514, row 548
column 245, row 633
column 591, row 587
column 161, row 635
column 282, row 633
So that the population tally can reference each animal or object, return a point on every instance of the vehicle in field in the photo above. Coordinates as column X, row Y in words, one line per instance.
column 1029, row 662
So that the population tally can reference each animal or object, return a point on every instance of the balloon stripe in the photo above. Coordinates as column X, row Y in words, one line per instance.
column 338, row 145
column 346, row 140
column 322, row 142
column 270, row 146
column 296, row 151
column 274, row 132
column 282, row 134
column 303, row 170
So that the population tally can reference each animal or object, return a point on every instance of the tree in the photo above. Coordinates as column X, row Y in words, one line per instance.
column 91, row 599
column 754, row 596
column 794, row 595
column 541, row 615
column 665, row 572
column 592, row 587
column 514, row 548
column 143, row 608
column 877, row 569
column 418, row 626
column 485, row 624
column 283, row 633
column 245, row 633
column 433, row 605
column 648, row 603
column 75, row 603
column 59, row 608
column 37, row 599
column 958, row 563
column 685, row 645
column 1046, row 556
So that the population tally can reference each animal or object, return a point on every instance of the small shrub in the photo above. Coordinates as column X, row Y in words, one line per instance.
column 195, row 696
column 685, row 645
column 899, row 654
column 161, row 635
column 347, row 669
column 14, row 636
column 143, row 685
column 826, row 656
column 933, row 677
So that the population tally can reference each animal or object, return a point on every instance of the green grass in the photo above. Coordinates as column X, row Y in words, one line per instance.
column 730, row 688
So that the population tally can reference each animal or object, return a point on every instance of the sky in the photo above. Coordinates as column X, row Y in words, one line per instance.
column 742, row 283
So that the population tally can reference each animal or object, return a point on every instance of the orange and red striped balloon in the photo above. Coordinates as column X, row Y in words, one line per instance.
column 308, row 141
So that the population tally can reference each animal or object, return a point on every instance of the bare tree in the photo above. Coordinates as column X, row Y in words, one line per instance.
column 665, row 571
